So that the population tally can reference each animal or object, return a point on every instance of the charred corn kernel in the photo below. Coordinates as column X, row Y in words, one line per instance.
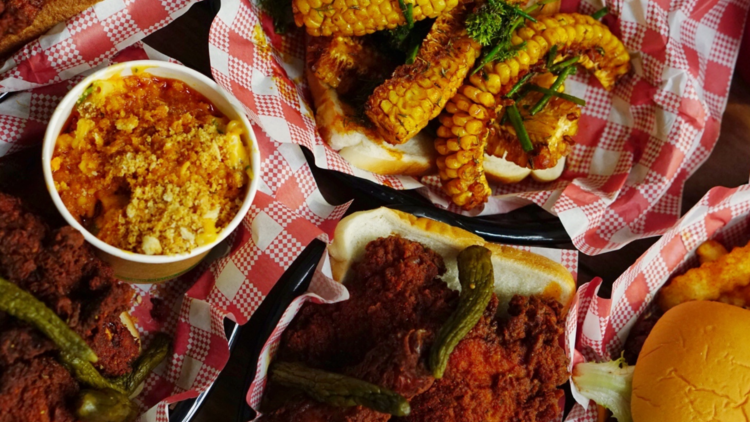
column 445, row 58
column 361, row 17
column 335, row 58
column 469, row 115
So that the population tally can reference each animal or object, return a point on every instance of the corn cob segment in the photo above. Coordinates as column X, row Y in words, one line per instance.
column 550, row 131
column 464, row 126
column 469, row 116
column 417, row 92
column 337, row 60
column 361, row 17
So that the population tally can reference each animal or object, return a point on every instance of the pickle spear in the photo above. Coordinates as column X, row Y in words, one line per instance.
column 477, row 280
column 339, row 390
column 24, row 306
column 105, row 406
column 86, row 374
column 149, row 359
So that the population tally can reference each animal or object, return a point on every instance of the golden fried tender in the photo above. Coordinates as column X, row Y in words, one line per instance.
column 724, row 279
column 710, row 251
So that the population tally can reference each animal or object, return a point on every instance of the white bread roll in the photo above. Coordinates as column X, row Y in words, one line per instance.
column 695, row 366
column 501, row 170
column 363, row 147
column 516, row 271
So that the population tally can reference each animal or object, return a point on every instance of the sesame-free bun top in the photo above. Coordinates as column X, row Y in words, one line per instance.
column 695, row 366
column 516, row 271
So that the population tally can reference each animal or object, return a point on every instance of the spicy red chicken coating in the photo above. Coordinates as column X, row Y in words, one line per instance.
column 60, row 270
column 505, row 369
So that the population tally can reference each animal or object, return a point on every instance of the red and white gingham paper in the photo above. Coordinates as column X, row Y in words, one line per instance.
column 287, row 214
column 324, row 290
column 86, row 41
column 636, row 146
column 597, row 328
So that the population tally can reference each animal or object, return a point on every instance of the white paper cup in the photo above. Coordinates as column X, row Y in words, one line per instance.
column 130, row 266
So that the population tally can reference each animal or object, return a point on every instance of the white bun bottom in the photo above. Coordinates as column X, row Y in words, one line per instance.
column 363, row 147
column 516, row 271
column 501, row 170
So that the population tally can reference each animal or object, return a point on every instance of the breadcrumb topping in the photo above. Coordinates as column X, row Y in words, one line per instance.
column 150, row 166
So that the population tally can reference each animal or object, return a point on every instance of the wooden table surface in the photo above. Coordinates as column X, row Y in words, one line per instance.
column 729, row 165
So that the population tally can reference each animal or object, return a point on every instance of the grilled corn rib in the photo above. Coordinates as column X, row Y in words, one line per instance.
column 336, row 59
column 417, row 92
column 361, row 17
column 468, row 116
column 550, row 130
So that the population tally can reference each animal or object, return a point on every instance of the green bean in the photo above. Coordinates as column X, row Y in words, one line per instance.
column 558, row 82
column 580, row 101
column 521, row 82
column 408, row 10
column 558, row 67
column 105, row 406
column 339, row 390
column 600, row 13
column 551, row 56
column 24, row 306
column 477, row 280
column 523, row 136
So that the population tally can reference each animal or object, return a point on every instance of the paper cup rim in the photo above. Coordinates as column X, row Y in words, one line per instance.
column 50, row 140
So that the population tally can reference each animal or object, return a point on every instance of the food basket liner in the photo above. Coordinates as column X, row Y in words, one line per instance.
column 597, row 328
column 287, row 214
column 636, row 145
column 324, row 290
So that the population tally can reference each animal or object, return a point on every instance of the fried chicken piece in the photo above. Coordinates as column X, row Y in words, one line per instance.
column 38, row 390
column 395, row 364
column 710, row 251
column 396, row 290
column 20, row 341
column 724, row 279
column 506, row 371
column 61, row 270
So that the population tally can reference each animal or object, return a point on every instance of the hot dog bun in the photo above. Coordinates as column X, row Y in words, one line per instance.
column 501, row 170
column 516, row 271
column 54, row 12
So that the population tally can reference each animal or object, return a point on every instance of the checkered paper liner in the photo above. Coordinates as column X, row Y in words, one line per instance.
column 287, row 214
column 597, row 328
column 66, row 53
column 324, row 290
column 86, row 41
column 636, row 145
